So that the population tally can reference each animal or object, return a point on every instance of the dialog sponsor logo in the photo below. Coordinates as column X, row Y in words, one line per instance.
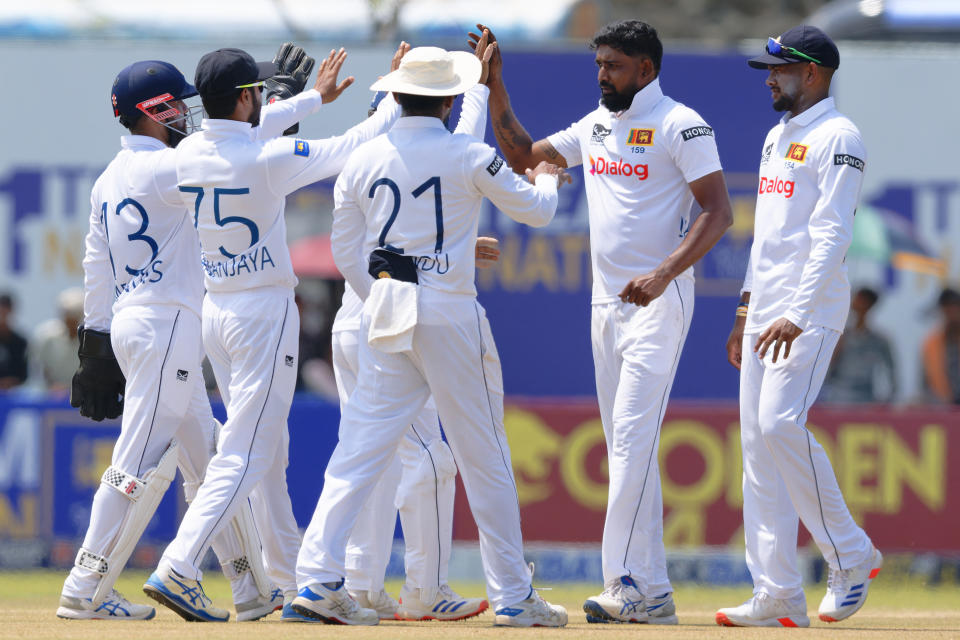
column 776, row 185
column 602, row 166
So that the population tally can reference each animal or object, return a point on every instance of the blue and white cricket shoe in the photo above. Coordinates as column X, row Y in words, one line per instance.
column 259, row 607
column 184, row 596
column 289, row 615
column 532, row 612
column 447, row 605
column 621, row 601
column 847, row 589
column 331, row 603
column 113, row 607
column 662, row 610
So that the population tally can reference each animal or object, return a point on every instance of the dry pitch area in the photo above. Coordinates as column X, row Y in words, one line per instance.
column 28, row 602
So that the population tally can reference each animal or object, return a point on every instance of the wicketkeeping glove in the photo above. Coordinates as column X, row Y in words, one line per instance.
column 293, row 73
column 98, row 384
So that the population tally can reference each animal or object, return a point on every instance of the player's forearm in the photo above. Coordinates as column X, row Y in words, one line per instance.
column 473, row 112
column 275, row 118
column 704, row 233
column 514, row 141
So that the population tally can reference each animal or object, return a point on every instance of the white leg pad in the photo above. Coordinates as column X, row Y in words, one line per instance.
column 145, row 493
column 252, row 559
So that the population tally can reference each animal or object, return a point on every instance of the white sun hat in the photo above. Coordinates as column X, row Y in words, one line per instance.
column 432, row 71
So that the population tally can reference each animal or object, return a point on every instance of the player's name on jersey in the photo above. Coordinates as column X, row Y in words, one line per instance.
column 150, row 273
column 439, row 263
column 252, row 262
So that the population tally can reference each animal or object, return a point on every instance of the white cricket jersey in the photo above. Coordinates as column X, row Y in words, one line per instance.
column 473, row 122
column 417, row 190
column 235, row 187
column 811, row 171
column 141, row 247
column 639, row 201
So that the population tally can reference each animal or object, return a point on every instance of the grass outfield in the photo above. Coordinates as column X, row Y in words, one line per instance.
column 28, row 601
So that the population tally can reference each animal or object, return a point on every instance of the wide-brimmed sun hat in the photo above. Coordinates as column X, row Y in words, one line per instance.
column 432, row 71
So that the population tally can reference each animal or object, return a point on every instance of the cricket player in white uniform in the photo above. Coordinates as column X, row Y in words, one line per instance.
column 796, row 296
column 234, row 186
column 420, row 481
column 143, row 290
column 650, row 163
column 409, row 202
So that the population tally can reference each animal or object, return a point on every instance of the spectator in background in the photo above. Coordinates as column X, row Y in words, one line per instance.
column 941, row 352
column 13, row 348
column 862, row 370
column 53, row 352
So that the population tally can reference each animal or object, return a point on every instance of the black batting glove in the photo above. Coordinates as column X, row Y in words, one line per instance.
column 293, row 73
column 97, row 386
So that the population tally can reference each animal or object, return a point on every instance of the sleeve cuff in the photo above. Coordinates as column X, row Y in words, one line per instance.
column 799, row 319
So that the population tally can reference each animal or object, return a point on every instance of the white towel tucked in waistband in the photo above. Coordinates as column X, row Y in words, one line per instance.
column 392, row 306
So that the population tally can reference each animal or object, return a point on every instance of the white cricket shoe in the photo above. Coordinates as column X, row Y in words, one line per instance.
column 259, row 607
column 762, row 610
column 184, row 596
column 379, row 601
column 113, row 607
column 448, row 605
column 331, row 603
column 662, row 610
column 847, row 589
column 620, row 601
column 532, row 612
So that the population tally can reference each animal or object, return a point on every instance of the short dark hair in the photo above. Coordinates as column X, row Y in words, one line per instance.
column 868, row 293
column 220, row 106
column 130, row 121
column 632, row 37
column 948, row 296
column 6, row 300
column 420, row 105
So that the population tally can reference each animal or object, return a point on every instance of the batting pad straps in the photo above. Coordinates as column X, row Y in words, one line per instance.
column 130, row 486
column 93, row 562
column 236, row 567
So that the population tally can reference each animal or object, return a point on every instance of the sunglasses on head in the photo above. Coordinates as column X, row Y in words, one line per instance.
column 774, row 48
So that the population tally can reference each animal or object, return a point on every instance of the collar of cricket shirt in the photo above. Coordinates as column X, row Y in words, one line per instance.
column 226, row 127
column 807, row 117
column 141, row 142
column 643, row 101
column 419, row 122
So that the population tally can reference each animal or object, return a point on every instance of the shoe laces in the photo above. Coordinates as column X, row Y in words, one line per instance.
column 838, row 580
column 447, row 592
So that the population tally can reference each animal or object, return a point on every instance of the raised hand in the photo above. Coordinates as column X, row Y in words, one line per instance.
column 398, row 56
column 493, row 60
column 327, row 74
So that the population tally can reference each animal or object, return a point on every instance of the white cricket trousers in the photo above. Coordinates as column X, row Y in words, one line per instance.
column 158, row 349
column 454, row 357
column 786, row 472
column 252, row 340
column 635, row 356
column 420, row 481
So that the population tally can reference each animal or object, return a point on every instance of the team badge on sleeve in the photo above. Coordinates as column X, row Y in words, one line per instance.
column 640, row 138
column 301, row 148
column 696, row 132
column 797, row 152
column 494, row 167
column 847, row 159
